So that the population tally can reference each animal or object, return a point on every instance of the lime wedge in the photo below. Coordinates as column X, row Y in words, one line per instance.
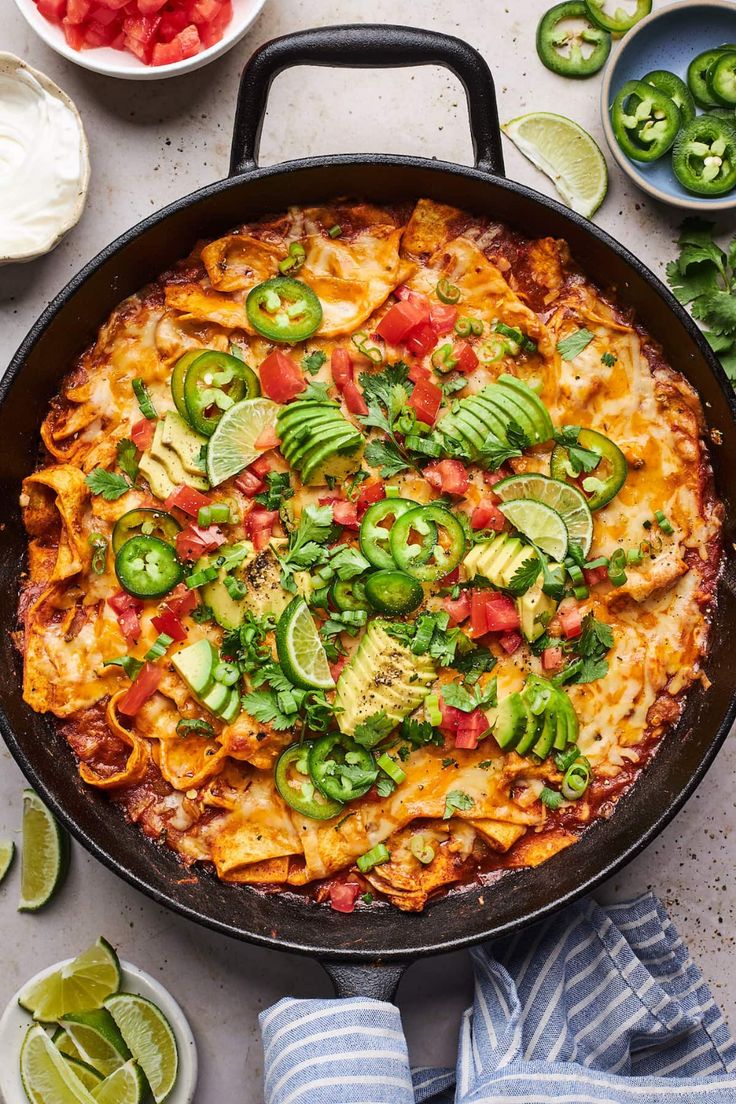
column 7, row 854
column 81, row 985
column 97, row 1039
column 567, row 500
column 126, row 1086
column 541, row 524
column 566, row 153
column 150, row 1039
column 89, row 1077
column 47, row 1076
column 62, row 1042
column 45, row 855
column 300, row 649
column 232, row 446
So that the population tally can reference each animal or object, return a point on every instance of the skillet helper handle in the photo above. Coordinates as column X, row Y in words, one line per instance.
column 367, row 46
column 377, row 980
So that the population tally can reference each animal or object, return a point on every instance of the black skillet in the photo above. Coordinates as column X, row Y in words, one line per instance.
column 352, row 946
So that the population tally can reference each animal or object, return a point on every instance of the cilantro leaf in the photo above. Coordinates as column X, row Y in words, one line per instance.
column 717, row 309
column 188, row 725
column 127, row 455
column 262, row 705
column 517, row 436
column 457, row 800
column 551, row 798
column 687, row 286
column 316, row 392
column 387, row 456
column 314, row 361
column 495, row 453
column 129, row 664
column 420, row 733
column 524, row 577
column 373, row 729
column 378, row 387
column 305, row 544
column 278, row 489
column 108, row 485
column 571, row 346
column 609, row 359
column 475, row 663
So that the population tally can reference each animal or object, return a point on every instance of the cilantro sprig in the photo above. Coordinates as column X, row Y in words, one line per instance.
column 386, row 394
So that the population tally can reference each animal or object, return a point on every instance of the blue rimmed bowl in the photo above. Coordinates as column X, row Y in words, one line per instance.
column 669, row 38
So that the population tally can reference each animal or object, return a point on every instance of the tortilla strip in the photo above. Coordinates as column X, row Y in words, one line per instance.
column 137, row 763
column 65, row 505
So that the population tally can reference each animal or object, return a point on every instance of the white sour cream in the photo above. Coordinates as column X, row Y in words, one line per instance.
column 43, row 164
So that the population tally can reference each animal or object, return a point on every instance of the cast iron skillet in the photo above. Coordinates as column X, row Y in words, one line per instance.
column 351, row 946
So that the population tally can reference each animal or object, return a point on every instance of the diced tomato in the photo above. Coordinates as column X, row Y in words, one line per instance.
column 570, row 619
column 492, row 612
column 442, row 317
column 99, row 34
column 193, row 542
column 552, row 658
column 77, row 10
column 74, row 34
column 399, row 321
column 167, row 622
column 487, row 515
column 202, row 11
column 126, row 609
column 491, row 478
column 108, row 18
column 451, row 718
column 341, row 366
column 212, row 32
column 595, row 575
column 141, row 27
column 343, row 896
column 343, row 513
column 186, row 44
column 182, row 600
column 262, row 465
column 451, row 578
column 426, row 399
column 465, row 356
column 149, row 7
column 337, row 666
column 419, row 371
column 187, row 499
column 458, row 608
column 447, row 476
column 171, row 23
column 470, row 729
column 416, row 298
column 369, row 493
column 249, row 484
column 53, row 10
column 510, row 642
column 142, row 432
column 266, row 439
column 281, row 379
column 114, row 5
column 354, row 400
column 259, row 525
column 143, row 687
column 421, row 339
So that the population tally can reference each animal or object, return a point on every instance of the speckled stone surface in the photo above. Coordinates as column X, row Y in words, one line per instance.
column 152, row 143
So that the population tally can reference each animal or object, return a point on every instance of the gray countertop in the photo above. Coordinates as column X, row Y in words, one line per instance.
column 151, row 143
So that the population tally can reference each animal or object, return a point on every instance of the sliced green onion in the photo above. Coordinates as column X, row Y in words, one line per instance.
column 581, row 592
column 335, row 231
column 634, row 556
column 565, row 759
column 576, row 780
column 226, row 673
column 423, row 635
column 235, row 588
column 204, row 516
column 295, row 259
column 664, row 523
column 617, row 568
column 465, row 326
column 421, row 848
column 232, row 558
column 392, row 491
column 593, row 485
column 200, row 578
column 600, row 561
column 432, row 710
column 287, row 701
column 148, row 410
column 447, row 292
column 367, row 347
column 220, row 513
column 159, row 646
column 377, row 855
column 576, row 576
column 98, row 544
column 391, row 768
column 442, row 358
column 426, row 446
column 516, row 338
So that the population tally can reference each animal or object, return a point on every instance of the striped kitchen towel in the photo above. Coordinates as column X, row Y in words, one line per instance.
column 598, row 1005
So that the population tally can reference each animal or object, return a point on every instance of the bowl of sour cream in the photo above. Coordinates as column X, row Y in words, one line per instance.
column 44, row 162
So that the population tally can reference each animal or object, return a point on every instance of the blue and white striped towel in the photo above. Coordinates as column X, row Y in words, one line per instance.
column 599, row 1005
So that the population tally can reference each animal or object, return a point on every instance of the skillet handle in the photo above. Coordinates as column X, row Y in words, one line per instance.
column 377, row 980
column 367, row 46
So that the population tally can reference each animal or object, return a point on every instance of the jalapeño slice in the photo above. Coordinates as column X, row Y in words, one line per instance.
column 620, row 21
column 393, row 592
column 698, row 73
column 284, row 309
column 148, row 567
column 295, row 787
column 675, row 88
column 704, row 157
column 341, row 769
column 645, row 121
column 606, row 480
column 144, row 522
column 348, row 594
column 440, row 545
column 376, row 526
column 177, row 380
column 569, row 42
column 213, row 383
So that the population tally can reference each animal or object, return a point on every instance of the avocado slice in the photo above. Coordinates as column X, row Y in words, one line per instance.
column 302, row 411
column 178, row 436
column 171, row 462
column 216, row 698
column 156, row 476
column 496, row 422
column 232, row 710
column 473, row 428
column 546, row 740
column 511, row 722
column 529, row 395
column 572, row 728
column 336, row 458
column 536, row 610
column 227, row 611
column 196, row 664
column 301, row 438
column 512, row 409
column 534, row 726
column 318, row 435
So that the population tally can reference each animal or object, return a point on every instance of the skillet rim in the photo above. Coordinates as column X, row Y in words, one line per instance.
column 675, row 804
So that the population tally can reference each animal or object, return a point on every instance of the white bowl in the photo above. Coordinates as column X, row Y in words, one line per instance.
column 15, row 1023
column 121, row 63
column 9, row 65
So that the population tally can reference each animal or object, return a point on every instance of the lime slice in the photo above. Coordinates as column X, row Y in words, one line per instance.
column 45, row 855
column 232, row 446
column 541, row 524
column 565, row 499
column 62, row 1042
column 300, row 649
column 566, row 153
column 89, row 1077
column 47, row 1076
column 81, row 985
column 7, row 854
column 126, row 1086
column 150, row 1039
column 97, row 1039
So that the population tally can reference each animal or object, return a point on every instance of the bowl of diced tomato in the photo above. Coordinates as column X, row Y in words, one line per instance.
column 141, row 39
